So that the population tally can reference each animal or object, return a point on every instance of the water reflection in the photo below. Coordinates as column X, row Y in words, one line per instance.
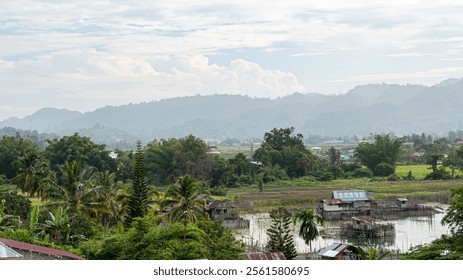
column 409, row 232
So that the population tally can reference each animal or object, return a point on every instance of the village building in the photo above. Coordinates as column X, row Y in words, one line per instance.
column 27, row 251
column 221, row 209
column 402, row 203
column 339, row 251
column 367, row 227
column 7, row 253
column 346, row 204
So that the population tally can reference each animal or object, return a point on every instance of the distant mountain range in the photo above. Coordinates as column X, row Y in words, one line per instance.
column 376, row 108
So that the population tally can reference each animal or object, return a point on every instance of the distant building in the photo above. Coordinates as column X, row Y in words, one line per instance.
column 346, row 204
column 402, row 203
column 221, row 209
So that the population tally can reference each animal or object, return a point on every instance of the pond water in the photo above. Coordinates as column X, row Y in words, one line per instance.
column 409, row 232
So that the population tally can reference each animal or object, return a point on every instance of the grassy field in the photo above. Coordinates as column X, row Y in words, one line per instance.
column 419, row 171
column 303, row 193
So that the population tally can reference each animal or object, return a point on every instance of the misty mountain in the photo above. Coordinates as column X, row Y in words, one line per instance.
column 376, row 108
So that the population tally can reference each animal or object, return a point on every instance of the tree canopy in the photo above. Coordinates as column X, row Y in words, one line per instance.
column 287, row 151
column 385, row 150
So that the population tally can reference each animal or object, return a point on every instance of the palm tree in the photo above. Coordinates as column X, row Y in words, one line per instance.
column 33, row 174
column 75, row 193
column 308, row 229
column 186, row 205
column 110, row 198
column 372, row 254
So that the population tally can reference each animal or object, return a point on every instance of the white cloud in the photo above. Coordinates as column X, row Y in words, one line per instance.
column 85, row 80
column 88, row 53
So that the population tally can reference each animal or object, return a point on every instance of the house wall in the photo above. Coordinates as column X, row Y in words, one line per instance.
column 327, row 207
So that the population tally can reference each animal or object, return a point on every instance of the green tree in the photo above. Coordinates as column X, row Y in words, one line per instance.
column 279, row 234
column 75, row 194
column 169, row 159
column 371, row 254
column 385, row 149
column 111, row 199
column 454, row 216
column 12, row 148
column 138, row 200
column 334, row 156
column 33, row 174
column 309, row 222
column 281, row 148
column 57, row 226
column 81, row 149
column 186, row 204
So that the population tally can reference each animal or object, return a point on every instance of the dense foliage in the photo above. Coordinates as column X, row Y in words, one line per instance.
column 101, row 202
column 380, row 156
column 146, row 240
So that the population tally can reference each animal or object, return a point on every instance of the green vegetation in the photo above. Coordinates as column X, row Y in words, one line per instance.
column 72, row 194
column 279, row 233
column 446, row 247
column 308, row 229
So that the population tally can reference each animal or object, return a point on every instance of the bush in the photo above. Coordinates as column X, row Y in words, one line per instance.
column 221, row 191
column 393, row 177
column 438, row 174
column 362, row 173
column 323, row 175
column 245, row 180
column 16, row 205
column 409, row 176
column 384, row 170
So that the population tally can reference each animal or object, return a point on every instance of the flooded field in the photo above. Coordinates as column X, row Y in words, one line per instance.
column 409, row 232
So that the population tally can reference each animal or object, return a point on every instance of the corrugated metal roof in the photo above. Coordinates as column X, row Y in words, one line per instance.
column 263, row 256
column 350, row 195
column 333, row 250
column 39, row 249
column 8, row 253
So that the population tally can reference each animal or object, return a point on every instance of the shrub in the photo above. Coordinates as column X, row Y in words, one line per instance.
column 384, row 169
column 221, row 191
column 362, row 173
column 16, row 205
column 438, row 174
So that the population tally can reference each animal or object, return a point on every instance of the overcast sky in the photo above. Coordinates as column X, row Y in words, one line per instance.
column 85, row 54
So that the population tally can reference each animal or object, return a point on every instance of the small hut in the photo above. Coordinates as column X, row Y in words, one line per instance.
column 366, row 226
column 402, row 203
column 339, row 251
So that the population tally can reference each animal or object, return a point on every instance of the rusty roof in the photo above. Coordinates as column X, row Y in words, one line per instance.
column 263, row 256
column 219, row 204
column 330, row 201
column 38, row 249
column 364, row 218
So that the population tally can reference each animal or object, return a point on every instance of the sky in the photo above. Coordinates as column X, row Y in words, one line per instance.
column 82, row 55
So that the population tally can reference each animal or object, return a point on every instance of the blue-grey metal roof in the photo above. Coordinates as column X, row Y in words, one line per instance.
column 7, row 253
column 350, row 195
